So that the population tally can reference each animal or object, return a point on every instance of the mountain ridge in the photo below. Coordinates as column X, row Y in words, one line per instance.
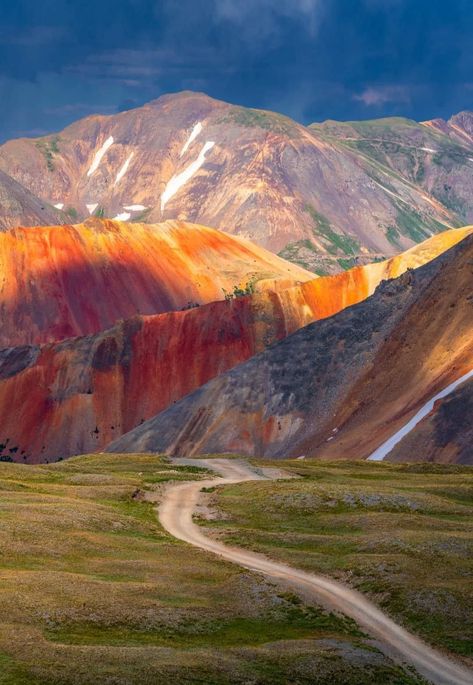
column 77, row 395
column 306, row 193
column 61, row 281
column 323, row 391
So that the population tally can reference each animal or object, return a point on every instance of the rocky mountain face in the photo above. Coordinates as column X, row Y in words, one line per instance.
column 327, row 196
column 64, row 281
column 77, row 395
column 444, row 435
column 19, row 207
column 339, row 387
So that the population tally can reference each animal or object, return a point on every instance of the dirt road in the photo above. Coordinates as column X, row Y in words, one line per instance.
column 176, row 512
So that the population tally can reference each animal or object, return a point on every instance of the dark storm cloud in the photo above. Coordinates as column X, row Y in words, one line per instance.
column 312, row 59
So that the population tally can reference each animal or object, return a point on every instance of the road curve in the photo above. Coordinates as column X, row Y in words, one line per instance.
column 176, row 516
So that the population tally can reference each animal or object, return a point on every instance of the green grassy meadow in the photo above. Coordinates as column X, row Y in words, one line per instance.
column 92, row 590
column 402, row 534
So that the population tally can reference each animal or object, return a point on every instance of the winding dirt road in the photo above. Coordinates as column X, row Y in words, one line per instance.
column 176, row 512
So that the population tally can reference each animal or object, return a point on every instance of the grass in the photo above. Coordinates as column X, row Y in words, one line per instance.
column 393, row 235
column 335, row 242
column 402, row 534
column 257, row 118
column 93, row 590
column 49, row 147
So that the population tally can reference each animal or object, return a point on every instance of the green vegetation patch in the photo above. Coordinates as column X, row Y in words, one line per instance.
column 335, row 242
column 411, row 223
column 49, row 147
column 393, row 235
column 12, row 673
column 291, row 620
column 72, row 213
column 257, row 118
column 346, row 263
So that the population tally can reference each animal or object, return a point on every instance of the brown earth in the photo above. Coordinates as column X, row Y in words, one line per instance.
column 445, row 435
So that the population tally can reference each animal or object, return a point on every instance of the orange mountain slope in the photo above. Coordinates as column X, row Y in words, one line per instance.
column 338, row 388
column 63, row 281
column 79, row 394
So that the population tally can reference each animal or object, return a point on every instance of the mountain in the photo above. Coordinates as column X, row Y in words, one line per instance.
column 63, row 281
column 435, row 156
column 337, row 388
column 327, row 196
column 19, row 206
column 459, row 127
column 77, row 395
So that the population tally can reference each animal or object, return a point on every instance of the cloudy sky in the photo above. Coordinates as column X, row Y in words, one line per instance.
column 311, row 59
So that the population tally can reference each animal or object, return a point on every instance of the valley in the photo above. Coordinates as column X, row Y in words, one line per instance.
column 236, row 342
column 91, row 583
column 107, row 590
column 302, row 332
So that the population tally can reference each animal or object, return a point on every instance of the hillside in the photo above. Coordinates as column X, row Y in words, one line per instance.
column 326, row 196
column 79, row 394
column 63, row 281
column 338, row 387
column 444, row 435
column 18, row 206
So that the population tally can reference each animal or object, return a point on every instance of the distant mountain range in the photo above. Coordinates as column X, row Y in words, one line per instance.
column 327, row 196
column 321, row 304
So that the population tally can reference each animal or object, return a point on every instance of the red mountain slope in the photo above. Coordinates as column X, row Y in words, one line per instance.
column 77, row 395
column 337, row 388
column 63, row 281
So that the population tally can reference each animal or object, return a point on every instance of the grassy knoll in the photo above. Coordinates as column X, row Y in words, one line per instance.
column 402, row 534
column 93, row 591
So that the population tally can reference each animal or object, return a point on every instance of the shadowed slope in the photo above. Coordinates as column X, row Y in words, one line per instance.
column 62, row 281
column 336, row 388
column 445, row 435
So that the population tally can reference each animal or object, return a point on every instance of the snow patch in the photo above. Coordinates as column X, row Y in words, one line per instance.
column 60, row 205
column 177, row 181
column 123, row 170
column 195, row 132
column 91, row 208
column 427, row 149
column 99, row 155
column 124, row 216
column 386, row 447
column 135, row 208
column 389, row 192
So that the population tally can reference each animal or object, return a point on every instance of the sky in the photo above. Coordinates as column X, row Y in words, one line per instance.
column 61, row 60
